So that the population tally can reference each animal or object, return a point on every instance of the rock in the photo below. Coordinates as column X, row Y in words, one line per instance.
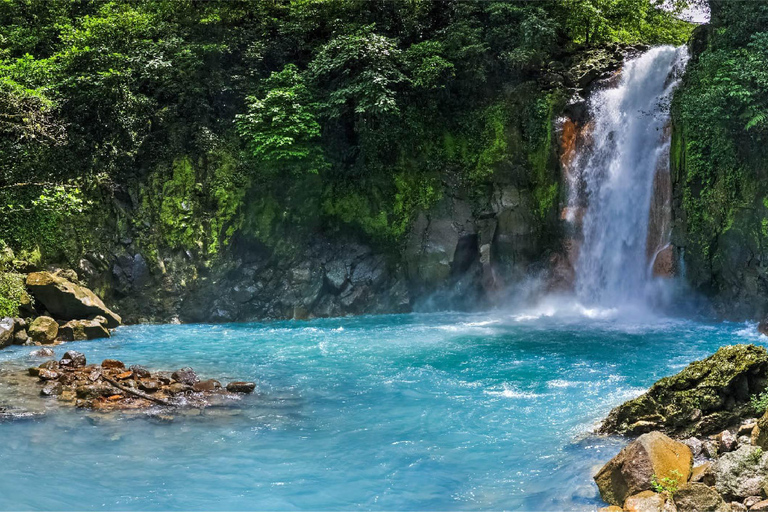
column 76, row 330
column 738, row 507
column 760, row 506
column 34, row 371
column 7, row 328
column 48, row 374
column 762, row 327
column 67, row 378
column 149, row 385
column 112, row 364
column 741, row 473
column 632, row 470
column 727, row 441
column 206, row 385
column 695, row 445
column 90, row 391
column 140, row 371
column 185, row 376
column 51, row 389
column 710, row 449
column 75, row 359
column 124, row 375
column 241, row 387
column 646, row 501
column 20, row 338
column 699, row 498
column 760, row 432
column 44, row 330
column 750, row 501
column 746, row 428
column 179, row 387
column 68, row 300
column 704, row 398
column 610, row 508
column 43, row 352
column 50, row 365
column 703, row 473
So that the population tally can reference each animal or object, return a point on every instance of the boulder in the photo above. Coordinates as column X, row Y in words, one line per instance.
column 185, row 376
column 51, row 389
column 760, row 506
column 43, row 352
column 95, row 390
column 759, row 434
column 7, row 327
column 149, row 385
column 76, row 330
column 45, row 374
column 646, row 501
column 738, row 507
column 20, row 338
column 44, row 330
column 610, row 508
column 727, row 441
column 703, row 473
column 241, row 387
column 700, row 498
column 704, row 398
column 695, row 445
column 751, row 501
column 68, row 300
column 140, row 371
column 632, row 471
column 741, row 473
column 73, row 359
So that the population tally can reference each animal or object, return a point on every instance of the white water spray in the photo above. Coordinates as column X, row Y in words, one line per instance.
column 629, row 144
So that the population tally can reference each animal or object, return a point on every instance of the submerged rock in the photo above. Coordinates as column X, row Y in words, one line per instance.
column 44, row 330
column 185, row 376
column 704, row 398
column 67, row 300
column 73, row 359
column 43, row 352
column 633, row 470
column 241, row 387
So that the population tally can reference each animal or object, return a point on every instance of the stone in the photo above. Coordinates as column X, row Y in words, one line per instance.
column 67, row 378
column 179, row 387
column 50, row 365
column 7, row 328
column 185, row 376
column 149, row 385
column 44, row 329
column 241, row 387
column 746, row 428
column 699, row 498
column 633, row 469
column 760, row 506
column 610, row 508
column 140, row 371
column 704, row 398
column 710, row 449
column 20, row 338
column 91, row 391
column 741, row 473
column 727, row 441
column 51, row 389
column 112, row 364
column 206, row 385
column 76, row 330
column 68, row 300
column 124, row 375
column 760, row 432
column 738, row 507
column 34, row 371
column 703, row 473
column 43, row 352
column 76, row 359
column 750, row 501
column 695, row 445
column 646, row 501
column 48, row 374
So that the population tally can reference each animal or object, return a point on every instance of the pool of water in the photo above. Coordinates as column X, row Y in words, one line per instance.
column 412, row 412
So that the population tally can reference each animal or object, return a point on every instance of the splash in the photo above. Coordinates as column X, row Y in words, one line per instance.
column 629, row 149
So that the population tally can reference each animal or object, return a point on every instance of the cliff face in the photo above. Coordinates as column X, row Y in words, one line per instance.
column 718, row 160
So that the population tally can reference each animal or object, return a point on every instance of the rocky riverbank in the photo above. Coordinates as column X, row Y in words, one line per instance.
column 112, row 386
column 715, row 410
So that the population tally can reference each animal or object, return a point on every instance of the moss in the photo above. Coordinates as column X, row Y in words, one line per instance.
column 13, row 293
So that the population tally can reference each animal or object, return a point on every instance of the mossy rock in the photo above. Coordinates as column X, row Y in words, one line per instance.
column 704, row 398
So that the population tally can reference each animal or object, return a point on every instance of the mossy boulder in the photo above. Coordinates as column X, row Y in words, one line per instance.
column 704, row 398
column 67, row 300
column 44, row 330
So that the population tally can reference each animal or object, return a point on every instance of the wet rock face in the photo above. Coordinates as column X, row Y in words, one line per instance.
column 704, row 398
column 67, row 300
column 633, row 470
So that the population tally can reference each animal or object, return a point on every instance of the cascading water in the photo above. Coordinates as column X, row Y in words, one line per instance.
column 629, row 146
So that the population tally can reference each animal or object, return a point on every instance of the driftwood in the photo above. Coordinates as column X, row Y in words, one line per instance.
column 136, row 393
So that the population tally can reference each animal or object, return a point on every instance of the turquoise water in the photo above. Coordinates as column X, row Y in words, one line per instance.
column 414, row 412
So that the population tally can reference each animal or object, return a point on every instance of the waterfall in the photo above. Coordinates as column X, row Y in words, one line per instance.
column 628, row 153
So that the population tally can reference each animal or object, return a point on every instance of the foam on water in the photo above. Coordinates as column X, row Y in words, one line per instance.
column 380, row 413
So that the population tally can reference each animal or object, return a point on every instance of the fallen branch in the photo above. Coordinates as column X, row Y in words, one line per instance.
column 136, row 393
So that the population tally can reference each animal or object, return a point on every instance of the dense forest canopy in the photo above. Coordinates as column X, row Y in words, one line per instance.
column 330, row 112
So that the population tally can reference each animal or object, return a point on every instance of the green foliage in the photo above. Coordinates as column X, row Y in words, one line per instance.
column 668, row 484
column 756, row 455
column 759, row 402
column 12, row 293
